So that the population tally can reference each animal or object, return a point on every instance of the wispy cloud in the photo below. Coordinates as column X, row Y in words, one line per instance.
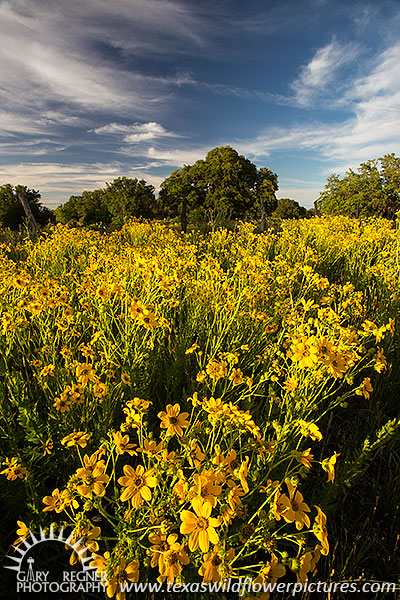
column 373, row 129
column 116, row 83
column 176, row 157
column 325, row 67
column 76, row 56
column 57, row 181
column 136, row 132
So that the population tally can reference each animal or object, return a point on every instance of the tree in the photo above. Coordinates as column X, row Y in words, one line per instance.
column 122, row 198
column 266, row 186
column 126, row 197
column 179, row 194
column 86, row 209
column 373, row 190
column 223, row 185
column 12, row 213
column 289, row 209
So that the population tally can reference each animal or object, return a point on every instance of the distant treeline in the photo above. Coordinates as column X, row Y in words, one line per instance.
column 224, row 186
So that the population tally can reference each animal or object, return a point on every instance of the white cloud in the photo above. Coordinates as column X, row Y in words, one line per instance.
column 57, row 181
column 372, row 131
column 76, row 54
column 137, row 132
column 323, row 69
column 176, row 158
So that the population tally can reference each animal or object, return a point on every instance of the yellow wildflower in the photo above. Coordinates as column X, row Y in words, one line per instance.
column 173, row 420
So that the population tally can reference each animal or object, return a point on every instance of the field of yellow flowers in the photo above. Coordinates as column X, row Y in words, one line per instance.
column 205, row 406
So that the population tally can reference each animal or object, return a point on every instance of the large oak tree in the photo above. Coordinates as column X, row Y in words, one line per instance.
column 223, row 185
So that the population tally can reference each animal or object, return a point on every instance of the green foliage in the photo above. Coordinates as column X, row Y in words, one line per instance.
column 126, row 197
column 86, row 209
column 374, row 190
column 289, row 209
column 224, row 185
column 122, row 198
column 12, row 214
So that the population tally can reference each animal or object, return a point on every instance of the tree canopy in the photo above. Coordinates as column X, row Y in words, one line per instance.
column 373, row 190
column 122, row 198
column 12, row 213
column 86, row 209
column 289, row 209
column 224, row 183
column 126, row 197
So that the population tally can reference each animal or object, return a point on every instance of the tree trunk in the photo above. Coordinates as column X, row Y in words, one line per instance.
column 31, row 219
column 316, row 209
column 184, row 216
column 262, row 209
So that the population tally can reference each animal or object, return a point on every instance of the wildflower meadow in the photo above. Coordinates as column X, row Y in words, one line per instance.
column 203, row 406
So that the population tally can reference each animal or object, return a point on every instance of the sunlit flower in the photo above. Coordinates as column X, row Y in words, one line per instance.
column 122, row 444
column 242, row 474
column 205, row 486
column 162, row 544
column 22, row 532
column 136, row 309
column 216, row 369
column 120, row 575
column 172, row 562
column 381, row 362
column 92, row 476
column 99, row 390
column 173, row 420
column 308, row 563
column 125, row 378
column 195, row 456
column 291, row 384
column 181, row 488
column 306, row 458
column 236, row 377
column 137, row 483
column 54, row 502
column 77, row 438
column 292, row 508
column 320, row 531
column 200, row 525
column 365, row 389
column 63, row 403
column 213, row 563
column 148, row 319
column 84, row 372
column 88, row 541
column 234, row 495
column 13, row 469
column 304, row 353
column 47, row 447
column 336, row 364
column 49, row 370
column 329, row 466
column 138, row 404
column 310, row 430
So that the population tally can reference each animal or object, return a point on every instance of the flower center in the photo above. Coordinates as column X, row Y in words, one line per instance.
column 139, row 481
column 173, row 420
column 164, row 547
column 202, row 523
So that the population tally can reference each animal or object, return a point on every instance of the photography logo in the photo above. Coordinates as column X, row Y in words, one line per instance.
column 30, row 579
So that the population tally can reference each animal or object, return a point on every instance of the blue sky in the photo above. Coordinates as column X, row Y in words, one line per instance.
column 92, row 89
